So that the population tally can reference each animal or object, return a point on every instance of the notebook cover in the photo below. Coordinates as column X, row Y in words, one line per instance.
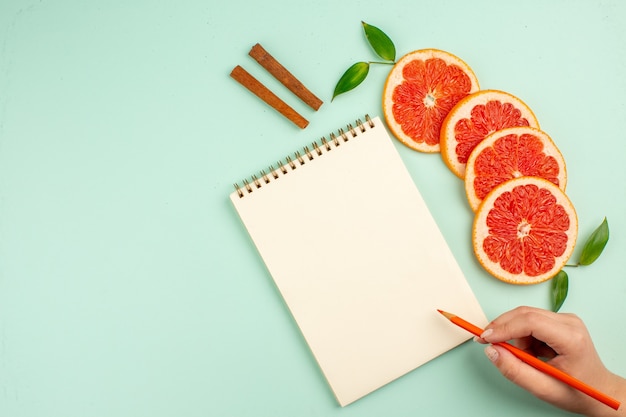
column 358, row 259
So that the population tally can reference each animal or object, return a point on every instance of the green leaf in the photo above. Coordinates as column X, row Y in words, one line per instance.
column 595, row 244
column 383, row 46
column 558, row 290
column 351, row 78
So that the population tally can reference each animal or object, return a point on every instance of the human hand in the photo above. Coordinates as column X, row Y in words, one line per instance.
column 563, row 340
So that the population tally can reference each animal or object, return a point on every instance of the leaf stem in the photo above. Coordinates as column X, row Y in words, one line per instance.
column 572, row 265
column 382, row 63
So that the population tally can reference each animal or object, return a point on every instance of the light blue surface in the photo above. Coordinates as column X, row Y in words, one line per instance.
column 128, row 286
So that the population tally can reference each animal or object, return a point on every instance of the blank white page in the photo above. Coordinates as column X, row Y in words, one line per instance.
column 359, row 261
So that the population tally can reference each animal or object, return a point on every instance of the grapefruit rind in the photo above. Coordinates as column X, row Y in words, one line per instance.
column 549, row 150
column 480, row 231
column 463, row 110
column 395, row 78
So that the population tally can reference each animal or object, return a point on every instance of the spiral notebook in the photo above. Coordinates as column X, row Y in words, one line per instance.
column 357, row 258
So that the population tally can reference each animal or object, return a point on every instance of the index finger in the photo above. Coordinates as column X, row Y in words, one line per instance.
column 523, row 322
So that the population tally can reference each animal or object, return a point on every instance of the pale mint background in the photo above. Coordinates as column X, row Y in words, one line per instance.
column 128, row 286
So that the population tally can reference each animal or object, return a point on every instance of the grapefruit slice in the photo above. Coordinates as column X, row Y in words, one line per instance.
column 525, row 231
column 419, row 92
column 511, row 153
column 474, row 118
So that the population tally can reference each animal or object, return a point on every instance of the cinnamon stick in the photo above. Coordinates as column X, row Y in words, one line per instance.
column 268, row 62
column 247, row 80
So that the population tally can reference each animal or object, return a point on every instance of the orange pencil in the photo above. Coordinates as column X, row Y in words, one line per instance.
column 539, row 364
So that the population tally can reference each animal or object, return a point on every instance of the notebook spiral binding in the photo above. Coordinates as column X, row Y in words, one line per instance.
column 300, row 158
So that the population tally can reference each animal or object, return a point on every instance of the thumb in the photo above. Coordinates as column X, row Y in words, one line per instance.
column 508, row 365
column 524, row 375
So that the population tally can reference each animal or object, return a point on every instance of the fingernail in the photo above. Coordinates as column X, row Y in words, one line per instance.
column 475, row 338
column 491, row 353
column 486, row 333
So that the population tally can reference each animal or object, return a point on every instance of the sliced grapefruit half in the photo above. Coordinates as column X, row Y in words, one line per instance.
column 525, row 231
column 474, row 118
column 511, row 153
column 420, row 90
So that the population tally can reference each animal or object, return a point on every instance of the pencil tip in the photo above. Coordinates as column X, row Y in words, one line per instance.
column 446, row 314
